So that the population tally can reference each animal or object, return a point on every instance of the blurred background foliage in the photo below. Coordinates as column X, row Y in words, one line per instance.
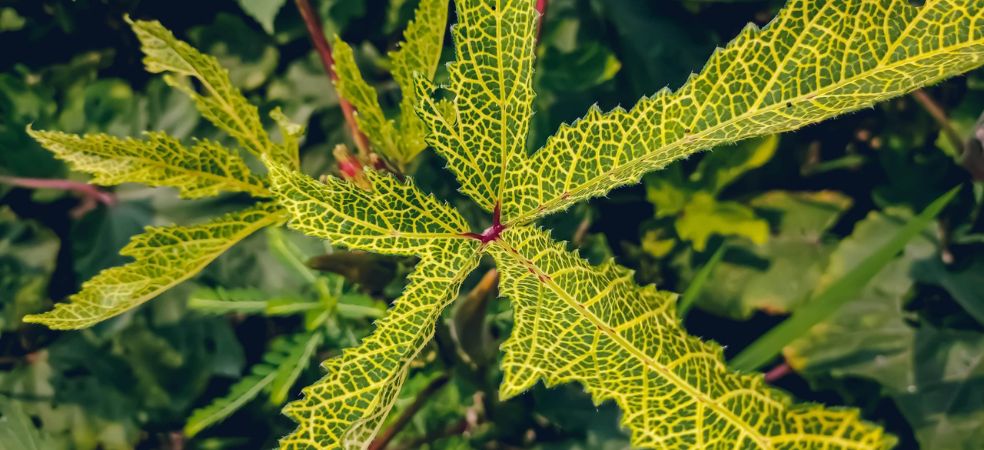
column 752, row 233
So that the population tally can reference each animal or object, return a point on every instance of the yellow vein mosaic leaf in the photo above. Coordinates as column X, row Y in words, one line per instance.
column 419, row 53
column 346, row 407
column 204, row 170
column 491, row 81
column 393, row 217
column 817, row 59
column 595, row 326
column 163, row 257
column 369, row 115
column 220, row 101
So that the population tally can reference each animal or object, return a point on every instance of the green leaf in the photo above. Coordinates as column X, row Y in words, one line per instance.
column 492, row 84
column 17, row 432
column 346, row 407
column 870, row 333
column 204, row 170
column 595, row 326
column 291, row 363
column 163, row 257
column 839, row 286
column 703, row 217
column 787, row 75
column 419, row 53
column 219, row 101
column 264, row 11
column 278, row 371
column 720, row 168
column 779, row 275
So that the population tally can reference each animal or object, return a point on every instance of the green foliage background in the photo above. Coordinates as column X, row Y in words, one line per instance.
column 786, row 216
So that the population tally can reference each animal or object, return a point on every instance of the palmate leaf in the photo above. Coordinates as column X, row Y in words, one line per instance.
column 575, row 322
column 204, row 170
column 594, row 325
column 418, row 54
column 345, row 408
column 817, row 59
column 163, row 257
column 219, row 101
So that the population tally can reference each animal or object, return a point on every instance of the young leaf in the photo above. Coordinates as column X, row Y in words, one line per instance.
column 419, row 53
column 163, row 257
column 594, row 325
column 814, row 61
column 291, row 362
column 346, row 407
column 369, row 115
column 204, row 170
column 492, row 84
column 281, row 365
column 219, row 101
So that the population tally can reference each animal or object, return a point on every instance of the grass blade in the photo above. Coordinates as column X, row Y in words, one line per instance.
column 824, row 304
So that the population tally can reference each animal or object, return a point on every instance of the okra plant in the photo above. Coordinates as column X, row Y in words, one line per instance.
column 574, row 322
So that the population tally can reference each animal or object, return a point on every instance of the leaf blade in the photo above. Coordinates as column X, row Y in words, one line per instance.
column 155, row 269
column 725, row 102
column 332, row 414
column 575, row 322
column 392, row 217
column 492, row 80
column 204, row 170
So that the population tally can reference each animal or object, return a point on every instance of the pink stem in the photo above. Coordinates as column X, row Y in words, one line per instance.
column 84, row 189
column 777, row 372
column 541, row 7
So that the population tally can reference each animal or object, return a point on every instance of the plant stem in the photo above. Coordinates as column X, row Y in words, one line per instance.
column 387, row 436
column 939, row 115
column 824, row 304
column 777, row 372
column 541, row 7
column 84, row 189
column 317, row 33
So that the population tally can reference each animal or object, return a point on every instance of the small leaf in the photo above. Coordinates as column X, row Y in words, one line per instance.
column 282, row 363
column 703, row 217
column 204, row 170
column 420, row 51
column 17, row 432
column 164, row 257
column 264, row 11
column 369, row 115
